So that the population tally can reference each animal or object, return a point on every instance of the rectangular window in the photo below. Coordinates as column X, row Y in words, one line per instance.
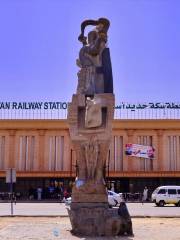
column 173, row 154
column 178, row 191
column 118, row 153
column 172, row 191
column 146, row 164
column 2, row 152
column 162, row 191
column 26, row 153
column 56, row 153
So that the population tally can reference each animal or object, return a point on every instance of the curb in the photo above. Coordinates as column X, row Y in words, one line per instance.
column 155, row 216
column 66, row 216
column 38, row 216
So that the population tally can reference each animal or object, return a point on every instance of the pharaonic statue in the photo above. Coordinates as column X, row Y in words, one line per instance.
column 91, row 111
column 90, row 117
column 95, row 75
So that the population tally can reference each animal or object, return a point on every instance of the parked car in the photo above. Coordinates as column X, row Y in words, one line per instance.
column 113, row 199
column 166, row 195
column 118, row 197
column 68, row 201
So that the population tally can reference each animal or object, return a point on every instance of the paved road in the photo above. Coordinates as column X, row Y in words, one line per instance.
column 149, row 209
column 59, row 209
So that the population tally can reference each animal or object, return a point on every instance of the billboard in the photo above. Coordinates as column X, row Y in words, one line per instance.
column 136, row 150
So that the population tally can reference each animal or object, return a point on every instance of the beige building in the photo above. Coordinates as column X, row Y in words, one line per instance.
column 40, row 151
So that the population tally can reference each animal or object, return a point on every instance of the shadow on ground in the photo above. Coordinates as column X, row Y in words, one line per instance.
column 102, row 238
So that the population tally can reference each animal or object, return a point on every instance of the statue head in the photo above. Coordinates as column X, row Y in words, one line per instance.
column 92, row 36
column 102, row 26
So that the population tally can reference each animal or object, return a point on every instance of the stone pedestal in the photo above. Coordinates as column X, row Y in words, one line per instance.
column 90, row 123
column 97, row 219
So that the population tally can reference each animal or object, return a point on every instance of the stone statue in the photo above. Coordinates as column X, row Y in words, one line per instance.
column 94, row 76
column 90, row 116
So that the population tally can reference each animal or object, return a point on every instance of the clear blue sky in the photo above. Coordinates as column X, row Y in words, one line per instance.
column 39, row 47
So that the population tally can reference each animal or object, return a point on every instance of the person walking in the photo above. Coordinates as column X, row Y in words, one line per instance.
column 39, row 193
column 145, row 195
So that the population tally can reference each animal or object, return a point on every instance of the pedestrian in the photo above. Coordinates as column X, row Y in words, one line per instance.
column 145, row 194
column 31, row 193
column 65, row 193
column 51, row 190
column 39, row 193
column 14, row 198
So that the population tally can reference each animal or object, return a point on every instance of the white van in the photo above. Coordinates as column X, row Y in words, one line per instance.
column 166, row 195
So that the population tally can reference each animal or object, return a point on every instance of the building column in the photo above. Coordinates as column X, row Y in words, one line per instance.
column 160, row 147
column 112, row 155
column 12, row 151
column 130, row 134
column 41, row 150
column 155, row 159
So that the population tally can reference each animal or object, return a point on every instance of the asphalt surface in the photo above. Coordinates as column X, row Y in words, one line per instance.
column 60, row 209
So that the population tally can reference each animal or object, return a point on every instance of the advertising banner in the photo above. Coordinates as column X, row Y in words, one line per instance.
column 136, row 150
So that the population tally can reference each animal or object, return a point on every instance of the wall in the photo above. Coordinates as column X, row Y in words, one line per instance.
column 42, row 148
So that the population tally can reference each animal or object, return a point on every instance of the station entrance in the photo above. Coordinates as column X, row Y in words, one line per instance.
column 52, row 188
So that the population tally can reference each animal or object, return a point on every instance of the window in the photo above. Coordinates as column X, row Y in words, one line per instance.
column 146, row 164
column 26, row 159
column 116, row 154
column 118, row 161
column 162, row 191
column 171, row 191
column 173, row 153
column 156, row 190
column 56, row 153
column 2, row 152
column 178, row 191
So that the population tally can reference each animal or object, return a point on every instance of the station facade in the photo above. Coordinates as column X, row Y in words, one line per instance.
column 41, row 152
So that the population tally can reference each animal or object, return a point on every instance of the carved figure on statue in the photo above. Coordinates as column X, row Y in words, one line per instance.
column 94, row 57
column 93, row 114
column 91, row 154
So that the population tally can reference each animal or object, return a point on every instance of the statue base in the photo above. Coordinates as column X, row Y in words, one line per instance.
column 97, row 219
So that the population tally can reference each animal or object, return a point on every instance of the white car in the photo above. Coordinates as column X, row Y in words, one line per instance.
column 166, row 195
column 67, row 201
column 111, row 200
column 118, row 198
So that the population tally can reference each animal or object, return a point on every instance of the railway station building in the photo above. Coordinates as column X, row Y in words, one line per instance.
column 41, row 152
